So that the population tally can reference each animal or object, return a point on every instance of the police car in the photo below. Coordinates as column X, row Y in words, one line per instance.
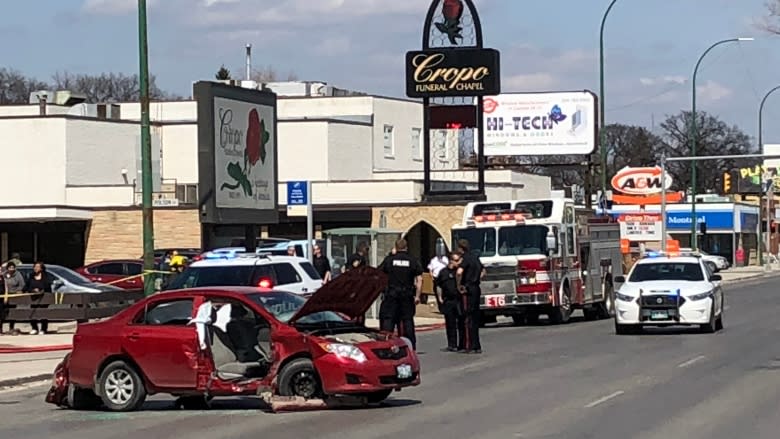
column 287, row 273
column 669, row 290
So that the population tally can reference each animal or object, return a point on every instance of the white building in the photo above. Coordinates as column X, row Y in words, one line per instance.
column 73, row 184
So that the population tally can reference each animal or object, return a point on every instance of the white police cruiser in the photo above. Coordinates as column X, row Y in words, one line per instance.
column 287, row 273
column 667, row 290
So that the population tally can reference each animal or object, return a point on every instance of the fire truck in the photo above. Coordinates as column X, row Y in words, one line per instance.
column 542, row 256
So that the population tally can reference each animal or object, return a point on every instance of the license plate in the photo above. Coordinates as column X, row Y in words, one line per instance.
column 659, row 315
column 404, row 371
column 495, row 301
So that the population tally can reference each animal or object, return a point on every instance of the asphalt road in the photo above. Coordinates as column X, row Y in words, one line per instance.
column 572, row 381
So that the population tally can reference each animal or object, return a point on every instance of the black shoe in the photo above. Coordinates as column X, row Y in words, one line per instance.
column 476, row 351
column 463, row 351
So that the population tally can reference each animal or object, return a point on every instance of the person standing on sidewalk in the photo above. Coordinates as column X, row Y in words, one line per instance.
column 449, row 303
column 404, row 286
column 39, row 282
column 321, row 264
column 14, row 284
column 470, row 273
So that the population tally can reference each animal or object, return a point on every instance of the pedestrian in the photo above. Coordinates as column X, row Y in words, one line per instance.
column 291, row 251
column 449, row 300
column 16, row 258
column 321, row 264
column 404, row 284
column 436, row 264
column 39, row 282
column 14, row 284
column 358, row 259
column 470, row 273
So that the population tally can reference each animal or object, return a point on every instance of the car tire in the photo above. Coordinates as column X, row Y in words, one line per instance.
column 300, row 378
column 82, row 399
column 607, row 307
column 561, row 314
column 121, row 388
column 712, row 326
column 719, row 321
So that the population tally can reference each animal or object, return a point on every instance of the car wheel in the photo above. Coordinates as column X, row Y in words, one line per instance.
column 710, row 327
column 299, row 378
column 562, row 313
column 121, row 388
column 719, row 321
column 378, row 396
column 82, row 399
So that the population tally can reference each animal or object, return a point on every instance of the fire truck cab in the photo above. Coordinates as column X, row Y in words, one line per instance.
column 542, row 257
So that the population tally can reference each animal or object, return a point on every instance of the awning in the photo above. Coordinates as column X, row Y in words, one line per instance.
column 43, row 214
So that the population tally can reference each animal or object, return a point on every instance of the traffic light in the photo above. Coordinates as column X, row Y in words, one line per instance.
column 727, row 182
column 703, row 228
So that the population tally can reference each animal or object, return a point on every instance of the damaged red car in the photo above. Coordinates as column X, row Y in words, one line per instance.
column 201, row 343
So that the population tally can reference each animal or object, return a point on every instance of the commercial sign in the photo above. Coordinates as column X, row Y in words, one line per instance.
column 749, row 180
column 640, row 227
column 714, row 220
column 237, row 165
column 558, row 123
column 452, row 72
column 243, row 162
column 640, row 181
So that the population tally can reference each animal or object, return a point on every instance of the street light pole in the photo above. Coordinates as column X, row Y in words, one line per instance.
column 761, row 149
column 694, row 244
column 146, row 152
column 602, row 132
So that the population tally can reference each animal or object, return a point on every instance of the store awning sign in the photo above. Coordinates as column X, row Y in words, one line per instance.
column 640, row 181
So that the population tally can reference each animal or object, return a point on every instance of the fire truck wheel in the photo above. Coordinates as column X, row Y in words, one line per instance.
column 518, row 319
column 607, row 308
column 532, row 318
column 562, row 314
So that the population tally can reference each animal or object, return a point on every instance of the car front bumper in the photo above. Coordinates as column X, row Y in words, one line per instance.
column 345, row 376
column 690, row 313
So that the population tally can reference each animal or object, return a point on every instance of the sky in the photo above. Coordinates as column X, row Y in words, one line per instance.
column 651, row 47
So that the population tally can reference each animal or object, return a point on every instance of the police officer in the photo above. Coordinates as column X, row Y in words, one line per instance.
column 449, row 303
column 404, row 285
column 470, row 273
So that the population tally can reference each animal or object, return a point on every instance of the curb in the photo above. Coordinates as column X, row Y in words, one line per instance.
column 34, row 349
column 25, row 380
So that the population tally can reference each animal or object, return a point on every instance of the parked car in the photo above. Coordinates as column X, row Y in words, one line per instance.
column 288, row 273
column 228, row 341
column 714, row 262
column 68, row 281
column 117, row 272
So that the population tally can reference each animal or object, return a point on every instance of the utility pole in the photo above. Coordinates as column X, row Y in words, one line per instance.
column 146, row 152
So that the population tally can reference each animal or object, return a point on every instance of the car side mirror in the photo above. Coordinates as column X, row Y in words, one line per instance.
column 620, row 279
column 716, row 278
column 57, row 283
column 552, row 244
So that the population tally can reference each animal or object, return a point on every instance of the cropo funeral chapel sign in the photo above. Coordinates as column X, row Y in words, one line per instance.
column 452, row 73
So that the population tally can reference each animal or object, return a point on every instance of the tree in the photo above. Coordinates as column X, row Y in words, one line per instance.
column 270, row 74
column 771, row 22
column 714, row 137
column 632, row 146
column 223, row 74
column 108, row 87
column 15, row 88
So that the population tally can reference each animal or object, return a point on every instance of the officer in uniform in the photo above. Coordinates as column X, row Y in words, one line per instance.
column 449, row 300
column 404, row 285
column 470, row 273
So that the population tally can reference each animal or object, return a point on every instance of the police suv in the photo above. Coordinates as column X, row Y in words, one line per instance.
column 287, row 273
column 666, row 290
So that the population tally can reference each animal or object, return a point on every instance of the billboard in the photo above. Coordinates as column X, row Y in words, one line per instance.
column 236, row 154
column 554, row 123
column 449, row 72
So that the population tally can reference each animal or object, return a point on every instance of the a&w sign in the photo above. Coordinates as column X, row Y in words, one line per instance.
column 640, row 181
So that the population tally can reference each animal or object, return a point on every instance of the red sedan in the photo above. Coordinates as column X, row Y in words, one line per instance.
column 205, row 342
column 122, row 273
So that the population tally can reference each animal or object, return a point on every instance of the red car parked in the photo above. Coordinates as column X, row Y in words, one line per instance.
column 112, row 271
column 206, row 342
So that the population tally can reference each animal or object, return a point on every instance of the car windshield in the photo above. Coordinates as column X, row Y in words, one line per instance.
column 69, row 276
column 675, row 271
column 283, row 306
column 522, row 240
column 482, row 241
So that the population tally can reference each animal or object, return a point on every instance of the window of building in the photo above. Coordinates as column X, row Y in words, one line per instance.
column 187, row 193
column 417, row 146
column 389, row 142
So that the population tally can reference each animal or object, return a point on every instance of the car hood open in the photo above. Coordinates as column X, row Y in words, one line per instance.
column 350, row 294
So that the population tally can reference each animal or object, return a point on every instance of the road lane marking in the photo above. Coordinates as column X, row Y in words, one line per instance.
column 691, row 361
column 604, row 399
